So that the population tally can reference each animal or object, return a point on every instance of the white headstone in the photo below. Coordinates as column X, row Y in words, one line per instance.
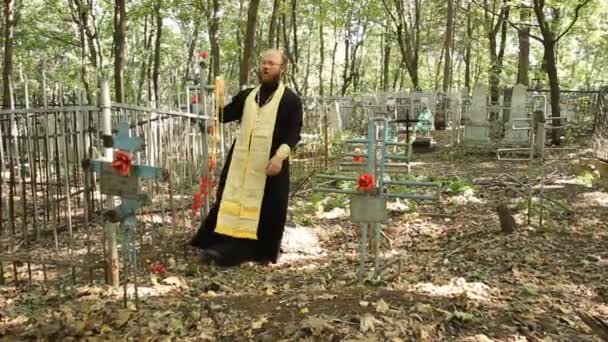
column 476, row 130
column 518, row 110
column 334, row 120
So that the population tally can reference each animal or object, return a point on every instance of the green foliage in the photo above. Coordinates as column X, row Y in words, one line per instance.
column 587, row 178
column 335, row 201
column 47, row 34
column 457, row 186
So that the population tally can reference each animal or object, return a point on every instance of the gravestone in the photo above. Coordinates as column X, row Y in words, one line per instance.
column 334, row 121
column 477, row 128
column 515, row 132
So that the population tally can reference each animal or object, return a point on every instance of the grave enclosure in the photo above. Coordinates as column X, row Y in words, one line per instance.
column 51, row 218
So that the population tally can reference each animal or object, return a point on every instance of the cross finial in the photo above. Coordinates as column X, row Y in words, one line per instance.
column 124, row 141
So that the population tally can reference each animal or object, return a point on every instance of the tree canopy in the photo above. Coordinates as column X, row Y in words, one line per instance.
column 334, row 48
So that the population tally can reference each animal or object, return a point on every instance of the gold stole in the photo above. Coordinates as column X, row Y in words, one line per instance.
column 241, row 203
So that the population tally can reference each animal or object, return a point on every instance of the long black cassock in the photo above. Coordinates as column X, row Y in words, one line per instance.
column 273, row 214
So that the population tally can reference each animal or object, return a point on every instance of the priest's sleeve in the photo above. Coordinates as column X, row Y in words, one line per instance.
column 234, row 110
column 294, row 128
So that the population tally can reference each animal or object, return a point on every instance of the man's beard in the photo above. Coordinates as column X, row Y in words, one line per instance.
column 271, row 81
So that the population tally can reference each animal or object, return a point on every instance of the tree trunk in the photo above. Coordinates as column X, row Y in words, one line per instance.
column 252, row 16
column 9, row 40
column 345, row 78
column 290, row 56
column 333, row 62
column 447, row 67
column 407, row 28
column 524, row 51
column 93, row 36
column 214, row 39
column 397, row 74
column 294, row 26
column 191, row 49
column 321, row 51
column 143, row 72
column 120, row 27
column 239, row 38
column 550, row 66
column 84, row 74
column 438, row 70
column 386, row 56
column 272, row 30
column 353, row 43
column 496, row 57
column 159, row 31
column 307, row 70
column 467, row 53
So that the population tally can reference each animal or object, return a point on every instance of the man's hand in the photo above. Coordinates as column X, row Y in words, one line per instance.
column 274, row 166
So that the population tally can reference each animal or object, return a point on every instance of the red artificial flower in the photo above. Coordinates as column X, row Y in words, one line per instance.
column 158, row 268
column 122, row 162
column 201, row 196
column 358, row 159
column 194, row 99
column 196, row 204
column 212, row 164
column 204, row 54
column 366, row 183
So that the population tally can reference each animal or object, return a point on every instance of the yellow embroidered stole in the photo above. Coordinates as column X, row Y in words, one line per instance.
column 241, row 203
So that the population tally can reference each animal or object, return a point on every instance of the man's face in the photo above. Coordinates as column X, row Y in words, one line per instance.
column 271, row 68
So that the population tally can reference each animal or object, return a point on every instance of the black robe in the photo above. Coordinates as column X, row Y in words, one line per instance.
column 276, row 192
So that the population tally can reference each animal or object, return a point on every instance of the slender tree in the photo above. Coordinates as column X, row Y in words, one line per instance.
column 9, row 42
column 447, row 47
column 523, row 64
column 252, row 17
column 550, row 39
column 120, row 32
column 157, row 52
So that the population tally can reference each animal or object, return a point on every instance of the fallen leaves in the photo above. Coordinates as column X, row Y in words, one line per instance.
column 382, row 307
column 459, row 280
column 122, row 318
column 368, row 323
column 316, row 324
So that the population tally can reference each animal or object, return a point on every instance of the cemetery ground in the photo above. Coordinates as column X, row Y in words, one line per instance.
column 450, row 273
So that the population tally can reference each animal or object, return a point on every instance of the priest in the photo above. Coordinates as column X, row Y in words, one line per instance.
column 247, row 221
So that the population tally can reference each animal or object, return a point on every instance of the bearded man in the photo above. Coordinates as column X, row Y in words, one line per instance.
column 247, row 221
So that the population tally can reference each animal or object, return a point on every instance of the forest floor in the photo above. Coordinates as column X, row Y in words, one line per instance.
column 451, row 274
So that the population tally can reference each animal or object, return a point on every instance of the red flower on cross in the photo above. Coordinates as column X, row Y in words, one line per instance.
column 366, row 183
column 122, row 162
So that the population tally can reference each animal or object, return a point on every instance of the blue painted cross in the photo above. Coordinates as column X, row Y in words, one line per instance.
column 113, row 183
column 369, row 209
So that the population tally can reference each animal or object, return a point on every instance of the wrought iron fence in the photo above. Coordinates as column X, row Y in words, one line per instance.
column 600, row 127
column 46, row 209
column 312, row 153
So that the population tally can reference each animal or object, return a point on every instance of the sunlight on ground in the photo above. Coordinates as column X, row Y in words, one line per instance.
column 570, row 181
column 468, row 196
column 425, row 228
column 484, row 338
column 455, row 288
column 598, row 198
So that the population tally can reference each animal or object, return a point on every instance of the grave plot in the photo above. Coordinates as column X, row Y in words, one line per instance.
column 53, row 224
